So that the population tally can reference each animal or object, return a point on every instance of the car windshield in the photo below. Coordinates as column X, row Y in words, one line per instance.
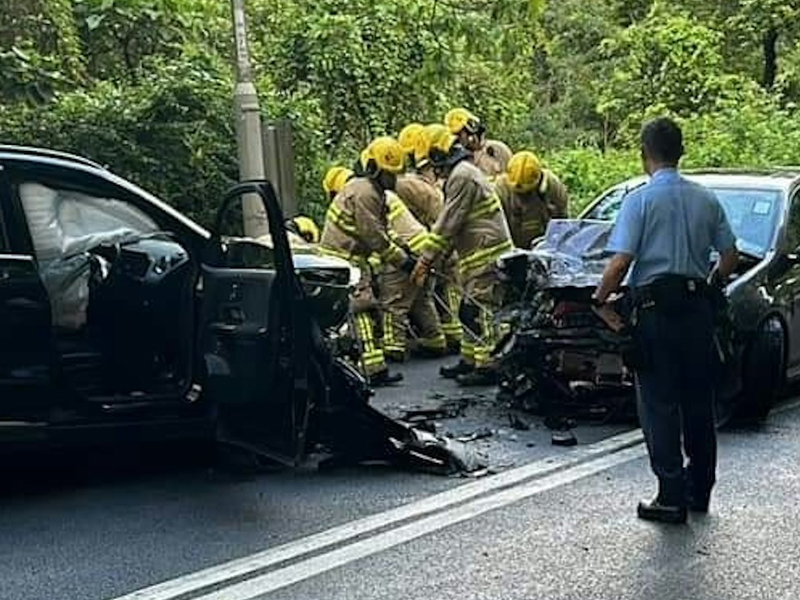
column 753, row 214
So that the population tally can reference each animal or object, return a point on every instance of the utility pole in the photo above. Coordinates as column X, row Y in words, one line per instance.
column 248, row 126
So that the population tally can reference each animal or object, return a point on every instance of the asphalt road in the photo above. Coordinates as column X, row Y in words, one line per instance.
column 112, row 524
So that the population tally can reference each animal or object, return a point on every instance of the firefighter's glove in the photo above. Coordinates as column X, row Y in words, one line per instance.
column 420, row 273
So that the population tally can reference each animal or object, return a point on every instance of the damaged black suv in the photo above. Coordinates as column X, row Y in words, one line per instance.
column 120, row 318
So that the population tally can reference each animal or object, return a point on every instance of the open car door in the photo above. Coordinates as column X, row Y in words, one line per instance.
column 254, row 334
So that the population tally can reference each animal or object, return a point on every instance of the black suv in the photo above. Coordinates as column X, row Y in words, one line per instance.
column 121, row 318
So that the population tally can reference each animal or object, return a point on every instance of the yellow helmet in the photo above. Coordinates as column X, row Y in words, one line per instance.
column 307, row 229
column 524, row 171
column 408, row 137
column 335, row 179
column 459, row 119
column 436, row 139
column 387, row 155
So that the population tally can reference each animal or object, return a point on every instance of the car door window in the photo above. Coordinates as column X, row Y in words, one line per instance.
column 65, row 222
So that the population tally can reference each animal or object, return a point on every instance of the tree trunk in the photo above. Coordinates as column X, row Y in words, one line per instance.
column 770, row 45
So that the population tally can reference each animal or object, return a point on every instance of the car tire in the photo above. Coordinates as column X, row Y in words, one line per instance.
column 763, row 372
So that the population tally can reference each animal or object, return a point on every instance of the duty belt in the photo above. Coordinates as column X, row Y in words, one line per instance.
column 670, row 290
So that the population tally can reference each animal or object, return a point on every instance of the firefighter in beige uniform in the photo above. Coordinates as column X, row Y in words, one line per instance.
column 490, row 156
column 422, row 193
column 472, row 222
column 402, row 301
column 531, row 196
column 356, row 227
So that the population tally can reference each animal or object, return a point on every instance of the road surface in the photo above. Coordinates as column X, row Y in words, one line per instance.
column 551, row 523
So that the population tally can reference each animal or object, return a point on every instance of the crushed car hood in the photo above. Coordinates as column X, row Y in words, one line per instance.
column 571, row 254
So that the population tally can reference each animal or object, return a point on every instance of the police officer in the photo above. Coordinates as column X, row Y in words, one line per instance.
column 664, row 235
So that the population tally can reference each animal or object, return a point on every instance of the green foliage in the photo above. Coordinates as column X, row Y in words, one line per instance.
column 145, row 86
column 170, row 133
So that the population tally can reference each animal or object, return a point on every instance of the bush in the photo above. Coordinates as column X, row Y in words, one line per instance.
column 171, row 133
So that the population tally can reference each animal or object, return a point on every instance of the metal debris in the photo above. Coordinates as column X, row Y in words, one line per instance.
column 476, row 435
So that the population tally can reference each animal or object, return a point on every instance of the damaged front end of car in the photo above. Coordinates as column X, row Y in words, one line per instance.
column 560, row 358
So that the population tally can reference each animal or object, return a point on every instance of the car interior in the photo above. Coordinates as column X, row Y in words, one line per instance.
column 121, row 293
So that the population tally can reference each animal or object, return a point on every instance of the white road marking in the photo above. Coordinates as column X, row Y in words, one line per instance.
column 258, row 562
column 311, row 567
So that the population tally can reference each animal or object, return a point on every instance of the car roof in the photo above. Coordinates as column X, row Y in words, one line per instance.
column 778, row 178
column 79, row 163
column 35, row 152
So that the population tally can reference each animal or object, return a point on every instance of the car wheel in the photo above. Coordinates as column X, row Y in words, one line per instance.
column 763, row 371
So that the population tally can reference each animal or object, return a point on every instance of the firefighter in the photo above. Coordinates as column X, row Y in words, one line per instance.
column 335, row 180
column 421, row 191
column 472, row 223
column 490, row 156
column 355, row 228
column 400, row 299
column 531, row 196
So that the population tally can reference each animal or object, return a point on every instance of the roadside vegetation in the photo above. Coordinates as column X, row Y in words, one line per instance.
column 144, row 86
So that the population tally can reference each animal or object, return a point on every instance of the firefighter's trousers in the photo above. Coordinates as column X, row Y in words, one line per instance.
column 365, row 312
column 402, row 302
column 448, row 293
column 482, row 299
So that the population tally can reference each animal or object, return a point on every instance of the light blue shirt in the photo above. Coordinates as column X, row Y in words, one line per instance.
column 670, row 225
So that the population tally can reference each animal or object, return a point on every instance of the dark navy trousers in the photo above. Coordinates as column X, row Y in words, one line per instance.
column 675, row 393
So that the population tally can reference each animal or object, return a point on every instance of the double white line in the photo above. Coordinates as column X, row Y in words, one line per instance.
column 265, row 572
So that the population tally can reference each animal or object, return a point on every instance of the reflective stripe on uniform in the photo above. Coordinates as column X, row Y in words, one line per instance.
column 438, row 242
column 437, row 342
column 393, row 254
column 419, row 242
column 467, row 351
column 484, row 348
column 485, row 208
column 483, row 257
column 336, row 253
column 396, row 208
column 341, row 219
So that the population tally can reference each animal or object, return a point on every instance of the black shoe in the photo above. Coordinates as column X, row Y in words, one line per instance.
column 460, row 368
column 477, row 377
column 563, row 437
column 662, row 513
column 384, row 378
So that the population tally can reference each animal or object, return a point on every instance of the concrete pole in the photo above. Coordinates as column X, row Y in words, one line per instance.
column 248, row 126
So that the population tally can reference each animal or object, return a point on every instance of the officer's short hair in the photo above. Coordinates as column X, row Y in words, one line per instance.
column 662, row 140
